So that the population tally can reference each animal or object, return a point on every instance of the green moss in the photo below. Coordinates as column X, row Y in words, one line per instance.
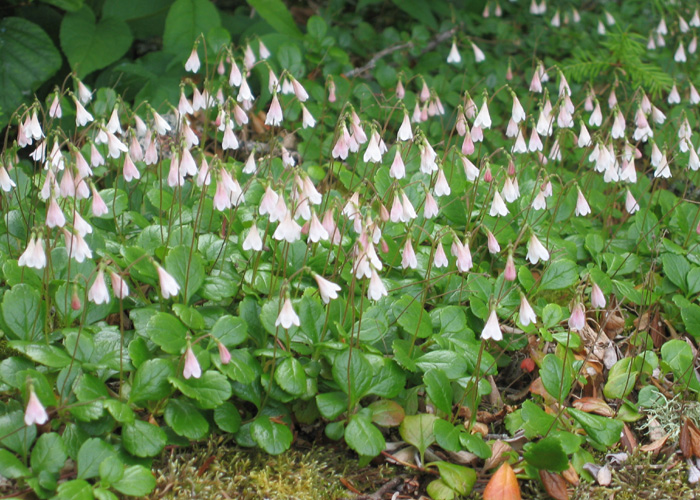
column 219, row 470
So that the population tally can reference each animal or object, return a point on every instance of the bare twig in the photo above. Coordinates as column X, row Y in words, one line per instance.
column 379, row 494
column 441, row 37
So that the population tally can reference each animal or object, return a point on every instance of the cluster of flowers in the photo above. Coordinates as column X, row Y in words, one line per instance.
column 611, row 152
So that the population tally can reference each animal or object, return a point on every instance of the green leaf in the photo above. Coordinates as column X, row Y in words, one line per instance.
column 560, row 274
column 332, row 404
column 412, row 317
column 188, row 270
column 111, row 470
column 475, row 444
column 452, row 364
column 190, row 316
column 11, row 467
column 121, row 412
column 439, row 389
column 547, row 454
column 605, row 431
column 535, row 420
column 185, row 419
column 621, row 379
column 316, row 27
column 272, row 437
column 227, row 418
column 676, row 268
column 49, row 355
column 151, row 380
column 419, row 10
column 353, row 373
column 459, row 478
column 691, row 319
column 387, row 413
column 556, row 377
column 551, row 315
column 137, row 481
column 90, row 46
column 23, row 311
column 438, row 490
column 187, row 19
column 679, row 357
column 447, row 435
column 168, row 332
column 77, row 489
column 230, row 330
column 363, row 437
column 90, row 456
column 277, row 15
column 143, row 439
column 290, row 376
column 49, row 454
column 418, row 431
column 389, row 380
column 27, row 59
column 210, row 390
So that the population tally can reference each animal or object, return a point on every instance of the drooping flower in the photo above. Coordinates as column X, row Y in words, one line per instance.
column 193, row 63
column 509, row 273
column 454, row 57
column 405, row 133
column 408, row 256
column 463, row 255
column 440, row 258
column 224, row 354
column 54, row 215
column 398, row 169
column 192, row 367
column 168, row 284
column 597, row 297
column 492, row 329
column 34, row 255
column 577, row 320
column 287, row 317
column 376, row 289
column 492, row 243
column 98, row 292
column 327, row 289
column 287, row 230
column 274, row 114
column 536, row 250
column 253, row 241
column 119, row 286
column 35, row 412
column 498, row 206
column 582, row 207
column 527, row 314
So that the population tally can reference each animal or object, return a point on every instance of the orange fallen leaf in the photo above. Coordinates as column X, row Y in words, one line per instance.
column 656, row 445
column 594, row 405
column 503, row 485
column 690, row 439
column 554, row 484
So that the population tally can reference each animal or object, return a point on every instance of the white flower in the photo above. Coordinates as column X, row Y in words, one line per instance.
column 631, row 204
column 168, row 285
column 582, row 207
column 192, row 368
column 308, row 121
column 98, row 293
column 162, row 126
column 536, row 250
column 193, row 63
column 376, row 289
column 327, row 289
column 440, row 258
column 35, row 412
column 34, row 256
column 82, row 116
column 442, row 188
column 478, row 54
column 6, row 183
column 492, row 330
column 483, row 119
column 287, row 317
column 527, row 314
column 274, row 114
column 288, row 229
column 119, row 286
column 405, row 133
column 453, row 57
column 498, row 206
column 253, row 240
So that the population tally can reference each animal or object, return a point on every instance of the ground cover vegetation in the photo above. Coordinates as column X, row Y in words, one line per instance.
column 460, row 239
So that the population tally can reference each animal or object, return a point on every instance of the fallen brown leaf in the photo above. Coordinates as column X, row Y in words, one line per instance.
column 656, row 445
column 594, row 405
column 629, row 441
column 571, row 475
column 690, row 439
column 503, row 485
column 498, row 449
column 554, row 484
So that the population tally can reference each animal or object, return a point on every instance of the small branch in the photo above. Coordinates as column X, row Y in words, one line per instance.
column 441, row 37
column 379, row 494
